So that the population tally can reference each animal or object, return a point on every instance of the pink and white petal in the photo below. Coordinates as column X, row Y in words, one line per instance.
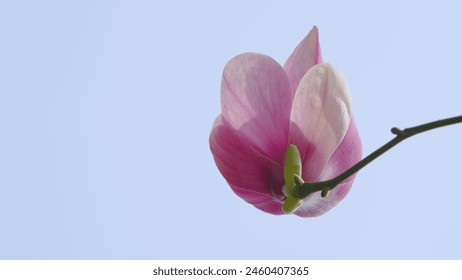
column 306, row 55
column 348, row 153
column 253, row 176
column 256, row 102
column 315, row 205
column 320, row 117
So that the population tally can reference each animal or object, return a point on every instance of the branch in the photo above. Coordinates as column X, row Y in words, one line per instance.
column 302, row 190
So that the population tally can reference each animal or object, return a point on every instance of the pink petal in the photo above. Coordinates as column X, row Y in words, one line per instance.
column 261, row 201
column 348, row 153
column 320, row 118
column 252, row 176
column 306, row 55
column 315, row 205
column 256, row 102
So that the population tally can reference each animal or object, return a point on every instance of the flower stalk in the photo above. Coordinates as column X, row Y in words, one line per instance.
column 304, row 189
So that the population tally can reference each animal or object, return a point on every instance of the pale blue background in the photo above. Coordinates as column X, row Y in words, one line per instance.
column 106, row 109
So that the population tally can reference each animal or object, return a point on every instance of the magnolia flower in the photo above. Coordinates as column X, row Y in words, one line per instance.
column 266, row 107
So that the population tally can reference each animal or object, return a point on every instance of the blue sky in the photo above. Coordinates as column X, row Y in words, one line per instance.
column 106, row 109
